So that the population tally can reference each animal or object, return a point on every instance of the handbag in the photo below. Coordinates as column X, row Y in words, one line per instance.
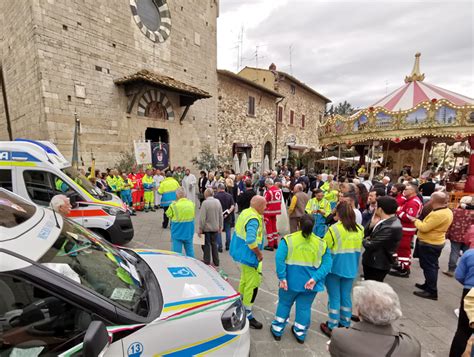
column 395, row 345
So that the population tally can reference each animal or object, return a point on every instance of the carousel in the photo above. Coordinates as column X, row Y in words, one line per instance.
column 405, row 125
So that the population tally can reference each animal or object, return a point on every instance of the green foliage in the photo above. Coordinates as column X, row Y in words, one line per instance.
column 206, row 159
column 294, row 160
column 126, row 161
column 342, row 109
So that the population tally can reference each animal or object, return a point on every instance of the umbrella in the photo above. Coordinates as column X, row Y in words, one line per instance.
column 332, row 159
column 266, row 164
column 236, row 164
column 244, row 166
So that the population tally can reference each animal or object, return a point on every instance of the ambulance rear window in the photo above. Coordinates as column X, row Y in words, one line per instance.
column 13, row 211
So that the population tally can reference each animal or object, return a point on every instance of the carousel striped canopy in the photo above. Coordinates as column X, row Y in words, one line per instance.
column 415, row 92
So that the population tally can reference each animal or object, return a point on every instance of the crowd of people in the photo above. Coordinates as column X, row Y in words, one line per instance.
column 322, row 228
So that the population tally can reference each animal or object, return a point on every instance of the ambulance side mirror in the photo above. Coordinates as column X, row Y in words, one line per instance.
column 73, row 198
column 96, row 340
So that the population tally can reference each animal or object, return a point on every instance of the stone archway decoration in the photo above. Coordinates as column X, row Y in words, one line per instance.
column 151, row 98
column 163, row 31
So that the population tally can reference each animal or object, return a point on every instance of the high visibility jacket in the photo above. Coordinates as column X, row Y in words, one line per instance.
column 60, row 185
column 148, row 183
column 181, row 214
column 123, row 185
column 323, row 205
column 136, row 181
column 167, row 190
column 240, row 246
column 325, row 187
column 300, row 259
column 273, row 197
column 332, row 196
column 112, row 182
column 411, row 208
column 304, row 251
column 345, row 249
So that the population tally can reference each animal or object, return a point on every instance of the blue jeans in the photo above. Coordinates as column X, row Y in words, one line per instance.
column 456, row 248
column 303, row 301
column 339, row 300
column 177, row 246
column 429, row 256
column 228, row 236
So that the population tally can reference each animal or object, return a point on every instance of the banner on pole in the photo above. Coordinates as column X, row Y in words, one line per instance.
column 142, row 152
column 160, row 155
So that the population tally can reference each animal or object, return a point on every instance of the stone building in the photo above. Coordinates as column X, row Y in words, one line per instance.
column 130, row 69
column 298, row 115
column 246, row 117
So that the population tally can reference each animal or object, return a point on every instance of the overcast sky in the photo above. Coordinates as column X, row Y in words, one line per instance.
column 352, row 50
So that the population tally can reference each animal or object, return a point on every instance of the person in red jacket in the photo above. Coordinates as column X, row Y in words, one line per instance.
column 409, row 210
column 273, row 197
column 137, row 189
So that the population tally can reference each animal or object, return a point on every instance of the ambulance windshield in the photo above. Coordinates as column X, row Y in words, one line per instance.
column 92, row 262
column 82, row 181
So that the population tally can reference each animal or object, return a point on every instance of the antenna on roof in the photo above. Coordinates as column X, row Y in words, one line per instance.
column 291, row 66
column 241, row 48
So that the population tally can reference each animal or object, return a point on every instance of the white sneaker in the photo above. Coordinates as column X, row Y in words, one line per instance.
column 456, row 312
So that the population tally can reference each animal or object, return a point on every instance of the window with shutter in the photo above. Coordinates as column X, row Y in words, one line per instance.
column 251, row 106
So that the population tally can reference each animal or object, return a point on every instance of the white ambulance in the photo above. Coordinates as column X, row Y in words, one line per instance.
column 65, row 291
column 36, row 170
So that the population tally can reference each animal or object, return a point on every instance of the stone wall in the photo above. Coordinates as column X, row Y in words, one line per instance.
column 302, row 102
column 236, row 126
column 86, row 44
column 18, row 56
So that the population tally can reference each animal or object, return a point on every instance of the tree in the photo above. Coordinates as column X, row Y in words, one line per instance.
column 206, row 159
column 343, row 108
column 126, row 161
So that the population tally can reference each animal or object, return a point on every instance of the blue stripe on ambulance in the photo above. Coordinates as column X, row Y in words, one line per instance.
column 17, row 156
column 201, row 348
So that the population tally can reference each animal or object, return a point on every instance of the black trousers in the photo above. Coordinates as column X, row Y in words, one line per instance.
column 210, row 247
column 374, row 274
column 429, row 257
column 165, row 218
column 463, row 331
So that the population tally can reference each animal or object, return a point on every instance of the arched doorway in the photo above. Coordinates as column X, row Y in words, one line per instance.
column 267, row 151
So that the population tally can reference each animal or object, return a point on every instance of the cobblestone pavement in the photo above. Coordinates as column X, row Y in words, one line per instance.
column 432, row 322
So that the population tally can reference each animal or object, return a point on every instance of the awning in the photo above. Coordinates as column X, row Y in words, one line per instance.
column 297, row 147
column 188, row 93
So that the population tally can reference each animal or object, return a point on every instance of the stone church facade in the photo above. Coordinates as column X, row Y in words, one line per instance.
column 127, row 69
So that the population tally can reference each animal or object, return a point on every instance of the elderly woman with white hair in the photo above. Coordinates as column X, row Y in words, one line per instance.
column 378, row 307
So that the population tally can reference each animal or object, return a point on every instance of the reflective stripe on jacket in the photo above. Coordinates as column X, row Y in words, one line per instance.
column 181, row 214
column 345, row 249
column 273, row 197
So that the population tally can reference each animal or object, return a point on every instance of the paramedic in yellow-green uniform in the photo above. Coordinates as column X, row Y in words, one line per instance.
column 167, row 190
column 181, row 214
column 319, row 208
column 246, row 248
column 302, row 263
column 149, row 186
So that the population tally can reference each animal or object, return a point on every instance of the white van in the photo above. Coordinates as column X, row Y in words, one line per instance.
column 36, row 170
column 67, row 292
